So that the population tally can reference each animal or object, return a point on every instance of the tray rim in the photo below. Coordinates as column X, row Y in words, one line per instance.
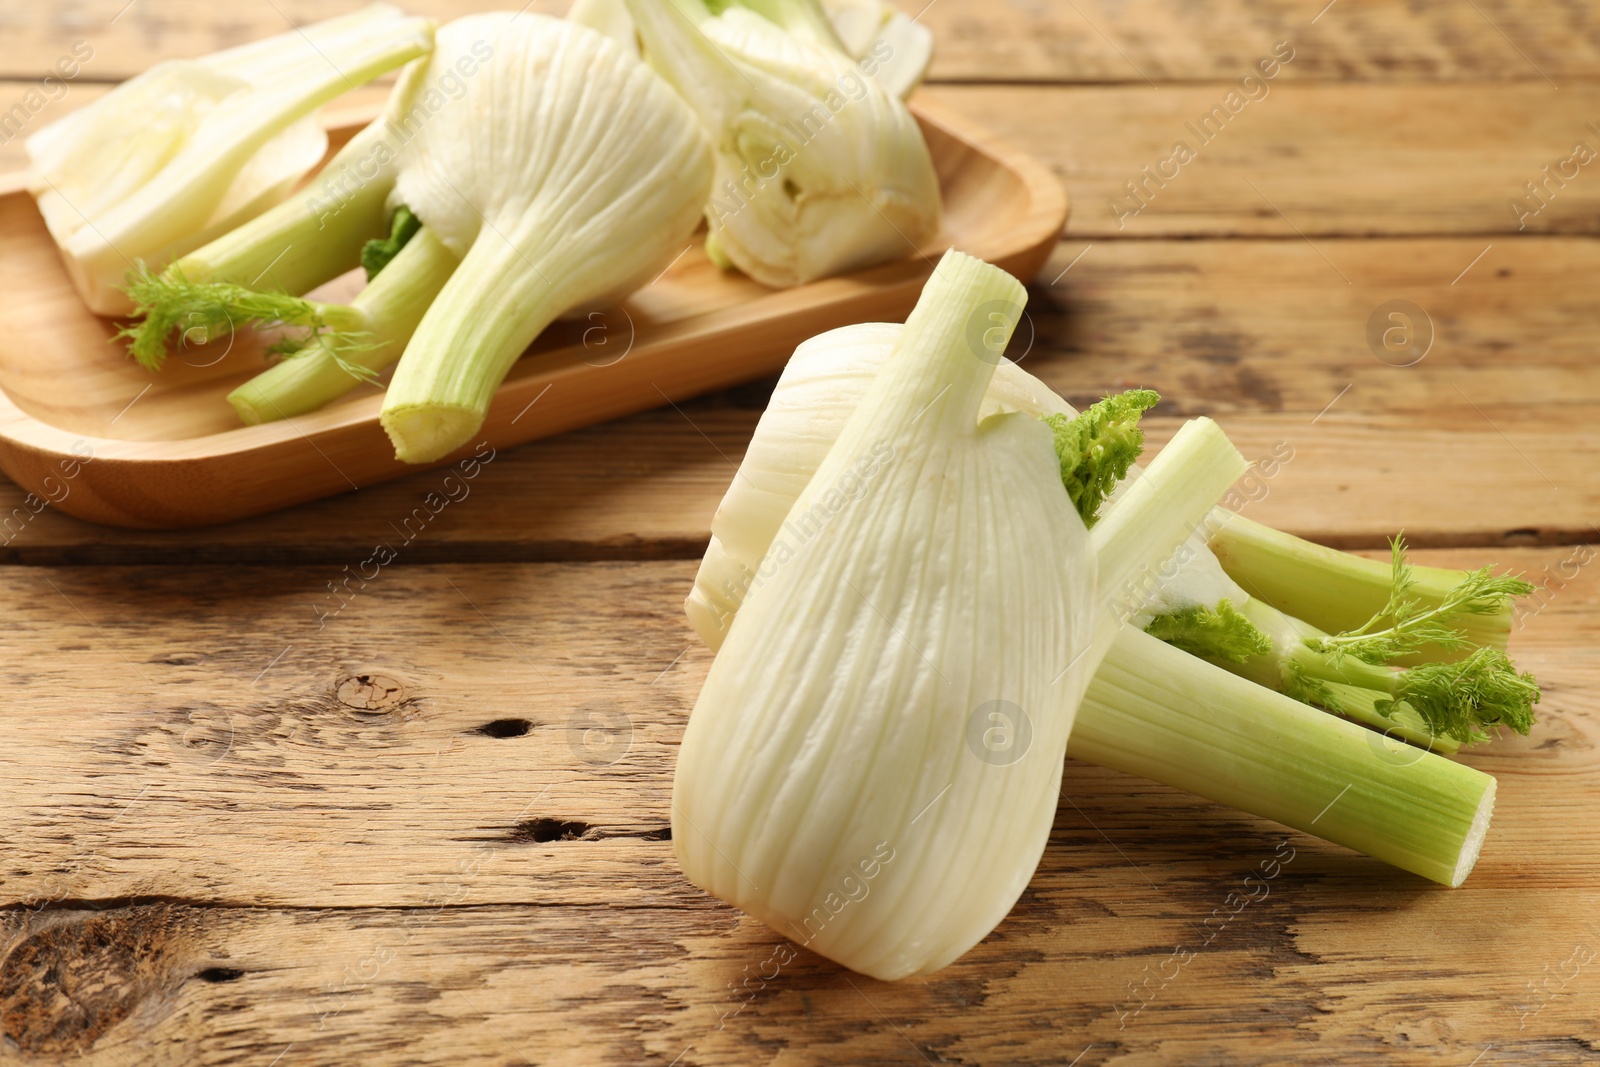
column 29, row 445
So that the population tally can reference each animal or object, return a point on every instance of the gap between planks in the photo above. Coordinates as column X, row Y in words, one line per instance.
column 187, row 556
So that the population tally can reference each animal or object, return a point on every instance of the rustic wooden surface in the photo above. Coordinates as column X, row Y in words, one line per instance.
column 234, row 834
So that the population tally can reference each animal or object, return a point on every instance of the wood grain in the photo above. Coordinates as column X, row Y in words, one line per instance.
column 1142, row 41
column 1307, row 159
column 1335, row 964
column 977, row 40
column 218, row 851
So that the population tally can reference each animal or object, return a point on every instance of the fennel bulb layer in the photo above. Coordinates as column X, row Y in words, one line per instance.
column 902, row 46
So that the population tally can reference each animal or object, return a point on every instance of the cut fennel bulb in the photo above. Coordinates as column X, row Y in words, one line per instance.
column 903, row 681
column 191, row 149
column 533, row 200
column 1269, row 732
column 819, row 169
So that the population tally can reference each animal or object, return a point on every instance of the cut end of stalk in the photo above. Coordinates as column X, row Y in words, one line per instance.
column 1138, row 533
column 244, row 404
column 425, row 433
column 717, row 254
column 1475, row 836
column 963, row 320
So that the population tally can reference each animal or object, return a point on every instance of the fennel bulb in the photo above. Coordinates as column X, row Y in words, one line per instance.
column 834, row 721
column 1199, row 606
column 819, row 169
column 551, row 202
column 190, row 149
column 888, row 45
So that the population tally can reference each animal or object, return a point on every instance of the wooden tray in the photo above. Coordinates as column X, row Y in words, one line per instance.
column 168, row 451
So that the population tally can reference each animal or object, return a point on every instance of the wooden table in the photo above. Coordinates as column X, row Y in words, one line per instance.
column 432, row 829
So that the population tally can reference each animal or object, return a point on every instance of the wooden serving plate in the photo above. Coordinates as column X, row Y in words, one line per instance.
column 166, row 449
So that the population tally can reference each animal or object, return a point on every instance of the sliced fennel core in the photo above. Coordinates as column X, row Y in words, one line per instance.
column 819, row 390
column 819, row 169
column 191, row 149
column 532, row 200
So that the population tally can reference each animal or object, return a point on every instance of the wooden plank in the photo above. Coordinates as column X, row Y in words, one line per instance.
column 1307, row 159
column 1337, row 965
column 333, row 872
column 1262, row 334
column 447, row 712
column 977, row 40
column 1303, row 162
column 1136, row 40
column 378, row 678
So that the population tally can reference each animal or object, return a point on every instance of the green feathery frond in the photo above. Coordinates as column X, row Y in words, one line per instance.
column 1098, row 447
column 1219, row 633
column 1461, row 699
column 1405, row 625
column 202, row 312
column 1308, row 690
column 376, row 254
